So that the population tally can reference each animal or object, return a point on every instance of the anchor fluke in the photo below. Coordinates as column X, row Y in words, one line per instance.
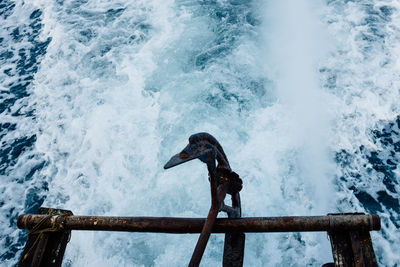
column 186, row 155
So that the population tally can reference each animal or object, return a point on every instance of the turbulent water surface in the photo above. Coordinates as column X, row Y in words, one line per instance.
column 97, row 95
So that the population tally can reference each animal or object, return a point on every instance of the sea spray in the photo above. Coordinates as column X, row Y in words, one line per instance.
column 121, row 86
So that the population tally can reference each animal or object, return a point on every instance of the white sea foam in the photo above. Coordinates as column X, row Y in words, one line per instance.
column 362, row 75
column 124, row 84
column 111, row 120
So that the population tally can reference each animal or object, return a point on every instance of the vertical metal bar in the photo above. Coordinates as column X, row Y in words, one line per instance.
column 233, row 250
column 363, row 251
column 341, row 248
column 357, row 249
column 234, row 242
column 38, row 253
column 352, row 248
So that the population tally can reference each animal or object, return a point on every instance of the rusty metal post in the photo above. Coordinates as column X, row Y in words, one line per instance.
column 233, row 249
column 46, row 247
column 352, row 247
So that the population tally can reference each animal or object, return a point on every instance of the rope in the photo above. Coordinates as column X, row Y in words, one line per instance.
column 56, row 225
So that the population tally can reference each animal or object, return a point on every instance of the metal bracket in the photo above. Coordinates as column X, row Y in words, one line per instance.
column 46, row 247
column 353, row 247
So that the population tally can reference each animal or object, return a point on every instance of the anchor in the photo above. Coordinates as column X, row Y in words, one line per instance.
column 223, row 180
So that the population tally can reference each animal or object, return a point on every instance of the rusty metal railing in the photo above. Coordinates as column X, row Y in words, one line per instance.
column 349, row 233
column 328, row 223
column 50, row 230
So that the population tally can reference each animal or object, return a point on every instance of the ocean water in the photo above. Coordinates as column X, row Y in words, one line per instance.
column 97, row 95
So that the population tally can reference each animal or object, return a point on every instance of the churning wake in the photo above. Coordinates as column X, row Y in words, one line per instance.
column 97, row 95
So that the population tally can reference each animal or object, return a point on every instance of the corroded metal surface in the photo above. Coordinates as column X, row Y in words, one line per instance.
column 233, row 249
column 223, row 180
column 223, row 225
column 46, row 245
column 352, row 248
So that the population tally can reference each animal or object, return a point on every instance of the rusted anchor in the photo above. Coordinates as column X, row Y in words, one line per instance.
column 223, row 180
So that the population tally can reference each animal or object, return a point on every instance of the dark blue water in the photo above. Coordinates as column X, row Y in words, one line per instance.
column 21, row 50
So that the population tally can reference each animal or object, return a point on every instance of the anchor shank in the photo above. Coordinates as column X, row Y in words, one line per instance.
column 212, row 216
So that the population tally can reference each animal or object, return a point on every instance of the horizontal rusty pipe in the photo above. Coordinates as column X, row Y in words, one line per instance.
column 195, row 225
